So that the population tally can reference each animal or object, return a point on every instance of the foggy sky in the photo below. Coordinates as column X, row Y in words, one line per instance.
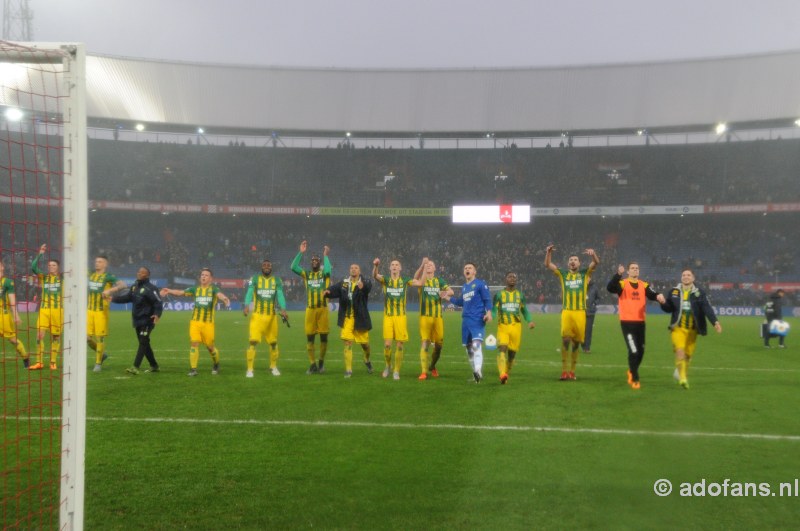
column 420, row 33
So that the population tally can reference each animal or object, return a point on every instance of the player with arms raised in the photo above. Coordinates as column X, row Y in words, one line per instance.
column 574, row 283
column 51, row 309
column 317, row 280
column 395, row 323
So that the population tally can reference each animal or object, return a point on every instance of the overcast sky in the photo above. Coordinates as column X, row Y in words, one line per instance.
column 420, row 33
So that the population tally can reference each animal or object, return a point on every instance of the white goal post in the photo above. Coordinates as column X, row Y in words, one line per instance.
column 52, row 87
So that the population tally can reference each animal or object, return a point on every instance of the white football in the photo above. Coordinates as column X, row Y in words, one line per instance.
column 779, row 328
column 490, row 342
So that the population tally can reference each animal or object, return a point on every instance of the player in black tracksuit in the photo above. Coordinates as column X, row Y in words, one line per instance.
column 146, row 311
column 773, row 311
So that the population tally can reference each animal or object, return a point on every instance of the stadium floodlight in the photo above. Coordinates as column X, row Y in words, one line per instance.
column 13, row 114
column 140, row 127
column 721, row 128
column 797, row 122
column 348, row 134
column 200, row 130
column 491, row 213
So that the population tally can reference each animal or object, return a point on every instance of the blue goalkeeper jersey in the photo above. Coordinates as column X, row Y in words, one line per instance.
column 475, row 299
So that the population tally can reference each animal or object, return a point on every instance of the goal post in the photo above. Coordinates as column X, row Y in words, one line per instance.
column 44, row 199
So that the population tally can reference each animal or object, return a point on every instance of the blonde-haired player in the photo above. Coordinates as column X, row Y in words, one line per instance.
column 431, row 323
column 9, row 316
column 51, row 309
column 102, row 285
column 265, row 293
column 201, row 326
column 509, row 309
column 395, row 322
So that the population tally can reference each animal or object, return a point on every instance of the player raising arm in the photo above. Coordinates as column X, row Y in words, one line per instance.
column 317, row 280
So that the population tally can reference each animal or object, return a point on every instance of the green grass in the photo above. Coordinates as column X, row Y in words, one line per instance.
column 165, row 451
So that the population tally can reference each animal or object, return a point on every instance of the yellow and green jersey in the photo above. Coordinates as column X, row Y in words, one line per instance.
column 205, row 302
column 573, row 288
column 51, row 287
column 98, row 283
column 6, row 289
column 265, row 293
column 316, row 281
column 430, row 302
column 687, row 318
column 395, row 291
column 509, row 307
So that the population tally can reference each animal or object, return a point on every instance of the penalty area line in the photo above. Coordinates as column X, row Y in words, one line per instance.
column 454, row 427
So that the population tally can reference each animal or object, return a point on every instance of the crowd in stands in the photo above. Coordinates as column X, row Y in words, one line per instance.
column 726, row 172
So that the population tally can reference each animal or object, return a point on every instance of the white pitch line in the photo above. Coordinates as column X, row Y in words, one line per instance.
column 540, row 429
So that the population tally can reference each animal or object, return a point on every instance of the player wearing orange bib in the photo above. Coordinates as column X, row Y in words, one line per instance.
column 574, row 283
column 395, row 323
column 51, row 309
column 509, row 309
column 9, row 316
column 201, row 326
column 633, row 296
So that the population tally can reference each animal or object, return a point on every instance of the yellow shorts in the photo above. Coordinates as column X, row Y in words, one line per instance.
column 264, row 326
column 349, row 333
column 97, row 323
column 317, row 321
column 573, row 324
column 7, row 328
column 684, row 339
column 51, row 319
column 200, row 332
column 431, row 329
column 509, row 334
column 395, row 327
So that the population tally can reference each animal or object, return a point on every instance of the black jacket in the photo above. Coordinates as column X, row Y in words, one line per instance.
column 146, row 302
column 774, row 308
column 360, row 299
column 701, row 308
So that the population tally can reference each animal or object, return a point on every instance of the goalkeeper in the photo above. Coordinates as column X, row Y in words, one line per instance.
column 477, row 304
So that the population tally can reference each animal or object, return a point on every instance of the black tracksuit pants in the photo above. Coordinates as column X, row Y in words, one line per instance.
column 633, row 333
column 145, row 350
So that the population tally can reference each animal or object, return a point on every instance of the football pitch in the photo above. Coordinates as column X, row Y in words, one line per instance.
column 165, row 451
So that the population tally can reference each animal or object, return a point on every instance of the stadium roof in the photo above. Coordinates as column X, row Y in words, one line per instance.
column 757, row 88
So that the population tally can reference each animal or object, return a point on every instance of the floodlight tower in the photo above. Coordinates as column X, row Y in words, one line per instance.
column 17, row 21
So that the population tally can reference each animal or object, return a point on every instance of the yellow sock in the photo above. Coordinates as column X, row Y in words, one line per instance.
column 100, row 348
column 398, row 358
column 21, row 350
column 681, row 365
column 387, row 355
column 564, row 359
column 39, row 350
column 423, row 360
column 55, row 346
column 251, row 357
column 273, row 356
column 502, row 363
column 92, row 343
column 194, row 357
column 323, row 349
column 510, row 362
column 310, row 352
column 574, row 359
column 348, row 358
column 215, row 355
